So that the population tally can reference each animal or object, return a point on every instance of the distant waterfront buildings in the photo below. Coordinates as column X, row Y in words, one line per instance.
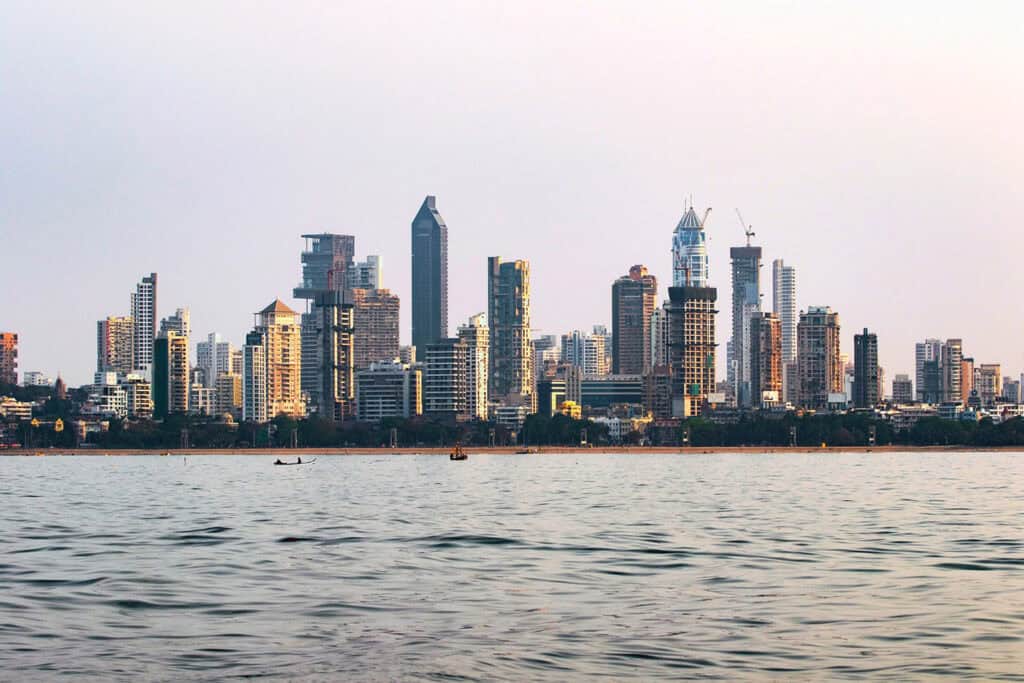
column 8, row 358
column 34, row 378
column 988, row 382
column 180, row 323
column 368, row 274
column 951, row 362
column 170, row 373
column 820, row 368
column 508, row 314
column 214, row 357
column 586, row 351
column 445, row 387
column 634, row 298
column 691, row 347
column 865, row 370
column 143, row 313
column 429, row 275
column 928, row 390
column 784, row 305
column 115, row 339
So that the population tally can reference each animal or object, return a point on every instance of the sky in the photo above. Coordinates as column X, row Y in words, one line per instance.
column 875, row 146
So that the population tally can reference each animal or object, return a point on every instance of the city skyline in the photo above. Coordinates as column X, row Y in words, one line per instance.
column 532, row 159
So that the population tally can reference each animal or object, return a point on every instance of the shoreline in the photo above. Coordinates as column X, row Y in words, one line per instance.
column 505, row 450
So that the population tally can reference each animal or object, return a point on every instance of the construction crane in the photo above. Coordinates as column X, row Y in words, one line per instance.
column 748, row 230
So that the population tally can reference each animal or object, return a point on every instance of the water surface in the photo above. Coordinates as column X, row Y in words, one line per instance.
column 763, row 567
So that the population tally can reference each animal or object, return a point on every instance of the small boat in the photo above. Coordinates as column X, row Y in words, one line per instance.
column 298, row 462
column 458, row 454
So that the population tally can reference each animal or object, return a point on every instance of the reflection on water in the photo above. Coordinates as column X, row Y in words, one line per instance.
column 514, row 567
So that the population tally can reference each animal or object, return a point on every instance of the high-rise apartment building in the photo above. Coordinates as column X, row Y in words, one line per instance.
column 170, row 370
column 508, row 314
column 254, row 378
column 966, row 379
column 278, row 327
column 902, row 390
column 765, row 359
column 8, row 358
column 143, row 312
column 691, row 347
column 746, row 304
column 476, row 337
column 865, row 370
column 445, row 390
column 391, row 389
column 784, row 306
column 634, row 297
column 924, row 352
column 376, row 326
column 115, row 341
column 429, row 275
column 659, row 336
column 690, row 252
column 819, row 366
column 988, row 382
column 951, row 361
column 229, row 394
column 368, row 274
column 336, row 353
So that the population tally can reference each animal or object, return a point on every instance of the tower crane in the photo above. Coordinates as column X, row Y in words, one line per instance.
column 748, row 230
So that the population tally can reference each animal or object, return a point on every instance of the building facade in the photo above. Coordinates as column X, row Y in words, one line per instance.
column 214, row 357
column 924, row 352
column 445, row 386
column 115, row 340
column 336, row 353
column 819, row 365
column 368, row 274
column 586, row 351
column 254, row 378
column 634, row 298
column 429, row 275
column 279, row 328
column 902, row 390
column 690, row 252
column 170, row 371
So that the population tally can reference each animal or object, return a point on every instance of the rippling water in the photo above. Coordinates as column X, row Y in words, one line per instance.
column 513, row 567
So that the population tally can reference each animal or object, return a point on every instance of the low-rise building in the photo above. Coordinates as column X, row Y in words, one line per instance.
column 388, row 389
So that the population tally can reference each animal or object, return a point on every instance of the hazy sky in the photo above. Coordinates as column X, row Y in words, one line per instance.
column 877, row 147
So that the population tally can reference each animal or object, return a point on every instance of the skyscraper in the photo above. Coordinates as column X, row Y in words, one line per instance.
column 327, row 260
column 765, row 359
column 689, row 251
column 143, row 312
column 784, row 306
column 586, row 351
column 8, row 358
column 335, row 322
column 214, row 357
column 115, row 339
column 634, row 297
column 254, row 378
column 429, row 275
column 476, row 336
column 691, row 347
column 368, row 274
column 819, row 366
column 691, row 317
column 746, row 303
column 865, row 370
column 508, row 314
column 376, row 326
column 988, row 383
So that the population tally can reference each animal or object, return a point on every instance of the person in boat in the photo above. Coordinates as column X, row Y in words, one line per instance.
column 299, row 461
column 278, row 462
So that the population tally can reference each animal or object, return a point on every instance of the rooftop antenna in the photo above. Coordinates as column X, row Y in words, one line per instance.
column 748, row 230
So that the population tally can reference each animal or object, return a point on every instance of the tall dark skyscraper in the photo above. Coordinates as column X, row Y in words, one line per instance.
column 865, row 370
column 429, row 275
column 746, row 303
column 634, row 297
